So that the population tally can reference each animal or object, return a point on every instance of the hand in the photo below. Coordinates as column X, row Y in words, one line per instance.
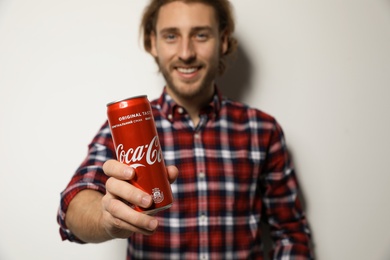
column 118, row 219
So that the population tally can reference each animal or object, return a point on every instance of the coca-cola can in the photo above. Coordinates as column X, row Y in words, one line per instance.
column 136, row 144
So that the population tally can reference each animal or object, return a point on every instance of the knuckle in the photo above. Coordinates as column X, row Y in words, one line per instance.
column 131, row 196
column 110, row 183
column 114, row 207
column 107, row 166
column 140, row 220
column 117, row 223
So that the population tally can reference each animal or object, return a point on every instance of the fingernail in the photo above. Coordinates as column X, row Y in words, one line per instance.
column 129, row 172
column 153, row 224
column 145, row 201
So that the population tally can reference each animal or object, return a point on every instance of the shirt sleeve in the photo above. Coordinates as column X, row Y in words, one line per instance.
column 282, row 207
column 89, row 175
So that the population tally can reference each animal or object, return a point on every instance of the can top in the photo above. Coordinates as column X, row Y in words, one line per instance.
column 125, row 99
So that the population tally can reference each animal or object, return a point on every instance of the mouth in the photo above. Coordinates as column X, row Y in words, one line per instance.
column 188, row 70
column 188, row 73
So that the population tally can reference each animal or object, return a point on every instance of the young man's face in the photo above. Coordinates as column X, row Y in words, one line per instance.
column 188, row 46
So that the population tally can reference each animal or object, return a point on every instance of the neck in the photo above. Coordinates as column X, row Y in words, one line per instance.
column 193, row 104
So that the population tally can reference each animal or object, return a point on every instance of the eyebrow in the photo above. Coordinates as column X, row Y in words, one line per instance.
column 175, row 29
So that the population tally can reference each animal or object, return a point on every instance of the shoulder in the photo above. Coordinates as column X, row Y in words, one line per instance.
column 244, row 113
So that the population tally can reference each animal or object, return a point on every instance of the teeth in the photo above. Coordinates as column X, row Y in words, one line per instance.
column 187, row 70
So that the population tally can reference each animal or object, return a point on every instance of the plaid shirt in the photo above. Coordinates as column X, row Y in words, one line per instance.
column 234, row 170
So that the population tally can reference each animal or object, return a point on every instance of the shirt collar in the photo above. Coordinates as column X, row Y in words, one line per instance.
column 169, row 108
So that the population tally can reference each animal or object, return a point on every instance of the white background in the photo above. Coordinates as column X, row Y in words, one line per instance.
column 322, row 68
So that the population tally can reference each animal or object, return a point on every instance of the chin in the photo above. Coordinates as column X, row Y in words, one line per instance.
column 189, row 91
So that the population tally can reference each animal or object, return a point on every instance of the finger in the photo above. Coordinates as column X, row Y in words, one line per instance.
column 173, row 172
column 118, row 228
column 128, row 192
column 121, row 217
column 113, row 168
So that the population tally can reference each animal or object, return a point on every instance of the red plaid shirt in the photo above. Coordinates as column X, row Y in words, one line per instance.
column 234, row 170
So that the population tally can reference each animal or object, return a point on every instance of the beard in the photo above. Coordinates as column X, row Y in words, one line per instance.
column 190, row 89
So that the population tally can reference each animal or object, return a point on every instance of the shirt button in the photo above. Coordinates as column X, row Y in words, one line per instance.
column 201, row 175
column 203, row 218
column 170, row 116
column 180, row 110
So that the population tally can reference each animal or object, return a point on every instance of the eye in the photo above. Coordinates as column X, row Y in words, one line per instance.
column 202, row 36
column 169, row 37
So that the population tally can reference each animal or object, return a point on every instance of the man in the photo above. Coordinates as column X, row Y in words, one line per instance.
column 231, row 164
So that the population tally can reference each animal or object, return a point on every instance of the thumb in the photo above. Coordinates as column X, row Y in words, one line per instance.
column 172, row 172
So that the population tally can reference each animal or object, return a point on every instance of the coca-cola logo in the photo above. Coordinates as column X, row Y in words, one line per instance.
column 134, row 156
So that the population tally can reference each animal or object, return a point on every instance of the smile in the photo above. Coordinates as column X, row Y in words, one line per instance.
column 187, row 70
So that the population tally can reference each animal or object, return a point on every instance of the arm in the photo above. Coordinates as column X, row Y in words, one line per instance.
column 288, row 224
column 83, row 217
column 94, row 217
column 94, row 205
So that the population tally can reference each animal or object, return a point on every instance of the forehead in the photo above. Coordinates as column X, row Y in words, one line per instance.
column 182, row 15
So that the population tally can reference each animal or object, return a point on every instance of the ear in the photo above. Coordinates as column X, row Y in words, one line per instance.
column 153, row 48
column 224, row 43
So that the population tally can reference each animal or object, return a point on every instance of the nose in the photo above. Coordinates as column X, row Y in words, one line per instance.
column 187, row 51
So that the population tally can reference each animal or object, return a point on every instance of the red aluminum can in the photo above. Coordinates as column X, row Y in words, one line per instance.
column 136, row 144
